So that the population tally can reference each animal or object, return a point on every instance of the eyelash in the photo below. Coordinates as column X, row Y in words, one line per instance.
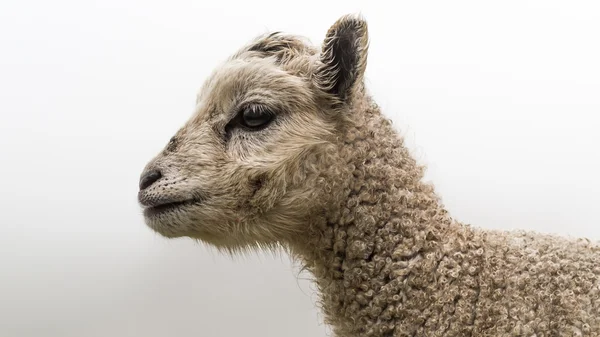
column 238, row 120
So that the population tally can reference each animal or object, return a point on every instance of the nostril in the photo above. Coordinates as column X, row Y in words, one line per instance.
column 149, row 178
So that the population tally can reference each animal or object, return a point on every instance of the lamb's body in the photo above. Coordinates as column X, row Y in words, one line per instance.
column 393, row 262
column 333, row 182
column 468, row 283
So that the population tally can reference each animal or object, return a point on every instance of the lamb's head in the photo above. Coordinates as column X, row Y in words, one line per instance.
column 252, row 163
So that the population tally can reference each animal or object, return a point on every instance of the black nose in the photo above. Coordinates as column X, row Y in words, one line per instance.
column 149, row 178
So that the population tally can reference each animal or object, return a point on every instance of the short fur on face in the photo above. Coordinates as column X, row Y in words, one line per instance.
column 236, row 188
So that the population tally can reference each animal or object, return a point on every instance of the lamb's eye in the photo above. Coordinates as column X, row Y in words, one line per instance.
column 256, row 117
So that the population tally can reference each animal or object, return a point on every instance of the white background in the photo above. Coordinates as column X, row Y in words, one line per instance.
column 500, row 99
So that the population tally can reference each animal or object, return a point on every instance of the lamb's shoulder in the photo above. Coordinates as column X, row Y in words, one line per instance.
column 492, row 283
column 528, row 259
column 535, row 282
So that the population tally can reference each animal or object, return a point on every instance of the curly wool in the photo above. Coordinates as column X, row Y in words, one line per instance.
column 390, row 261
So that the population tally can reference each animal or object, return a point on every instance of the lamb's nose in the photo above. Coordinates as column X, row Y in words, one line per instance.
column 149, row 178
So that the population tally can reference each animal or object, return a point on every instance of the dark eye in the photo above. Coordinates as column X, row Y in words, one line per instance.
column 256, row 117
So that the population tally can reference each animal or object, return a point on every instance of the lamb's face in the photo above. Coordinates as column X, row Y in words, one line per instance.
column 235, row 168
column 248, row 167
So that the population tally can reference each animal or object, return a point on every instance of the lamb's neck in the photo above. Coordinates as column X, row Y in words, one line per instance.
column 386, row 217
column 383, row 203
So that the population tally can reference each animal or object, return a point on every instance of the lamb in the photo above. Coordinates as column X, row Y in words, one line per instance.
column 287, row 149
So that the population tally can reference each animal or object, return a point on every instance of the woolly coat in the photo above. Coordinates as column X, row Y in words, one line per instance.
column 390, row 261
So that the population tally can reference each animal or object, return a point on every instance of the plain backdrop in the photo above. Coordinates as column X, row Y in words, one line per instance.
column 501, row 99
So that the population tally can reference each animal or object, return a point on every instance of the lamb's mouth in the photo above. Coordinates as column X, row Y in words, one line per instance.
column 155, row 210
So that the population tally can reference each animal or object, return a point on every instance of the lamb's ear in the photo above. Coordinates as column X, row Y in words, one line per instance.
column 343, row 57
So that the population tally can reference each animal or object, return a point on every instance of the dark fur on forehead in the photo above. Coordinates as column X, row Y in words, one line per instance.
column 283, row 47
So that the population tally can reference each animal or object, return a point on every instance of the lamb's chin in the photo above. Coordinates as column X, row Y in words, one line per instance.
column 170, row 220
